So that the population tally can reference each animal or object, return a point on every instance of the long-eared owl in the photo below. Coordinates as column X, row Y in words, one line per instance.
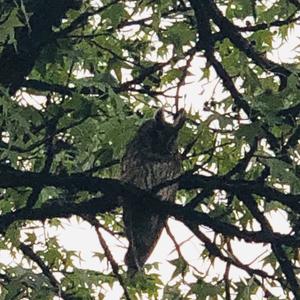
column 151, row 158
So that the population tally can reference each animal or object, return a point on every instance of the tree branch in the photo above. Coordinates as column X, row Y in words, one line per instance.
column 280, row 254
column 108, row 254
column 16, row 64
column 114, row 191
column 27, row 251
column 232, row 32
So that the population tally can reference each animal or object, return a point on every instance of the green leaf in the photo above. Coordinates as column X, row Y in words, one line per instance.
column 285, row 173
column 31, row 238
column 203, row 289
column 171, row 75
column 13, row 234
column 180, row 34
column 7, row 29
column 115, row 13
column 181, row 267
column 249, row 132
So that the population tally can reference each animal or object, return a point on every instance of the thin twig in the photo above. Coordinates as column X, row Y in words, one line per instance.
column 108, row 254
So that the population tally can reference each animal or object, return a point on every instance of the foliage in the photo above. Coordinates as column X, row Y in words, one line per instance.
column 78, row 78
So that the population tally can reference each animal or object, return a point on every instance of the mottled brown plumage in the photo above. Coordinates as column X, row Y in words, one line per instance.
column 150, row 159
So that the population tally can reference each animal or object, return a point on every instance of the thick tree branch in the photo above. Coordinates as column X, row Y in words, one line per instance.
column 113, row 187
column 113, row 192
column 237, row 186
column 232, row 32
column 205, row 43
column 16, row 64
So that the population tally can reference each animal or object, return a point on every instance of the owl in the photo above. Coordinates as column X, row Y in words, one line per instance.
column 150, row 159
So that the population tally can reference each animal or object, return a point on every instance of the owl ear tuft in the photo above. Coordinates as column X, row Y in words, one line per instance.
column 159, row 116
column 179, row 119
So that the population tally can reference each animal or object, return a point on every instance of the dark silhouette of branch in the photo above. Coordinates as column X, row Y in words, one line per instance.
column 278, row 23
column 113, row 191
column 295, row 2
column 27, row 251
column 206, row 43
column 227, row 281
column 51, row 128
column 61, row 89
column 280, row 254
column 83, row 19
column 113, row 187
column 216, row 252
column 188, row 181
column 241, row 166
column 93, row 221
column 123, row 87
column 232, row 32
column 16, row 64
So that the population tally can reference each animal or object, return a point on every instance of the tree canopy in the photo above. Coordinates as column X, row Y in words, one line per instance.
column 78, row 78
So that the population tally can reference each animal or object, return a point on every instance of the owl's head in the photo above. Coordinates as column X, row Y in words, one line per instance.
column 178, row 119
column 162, row 135
column 157, row 137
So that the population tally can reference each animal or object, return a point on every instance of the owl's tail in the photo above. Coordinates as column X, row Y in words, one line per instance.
column 143, row 234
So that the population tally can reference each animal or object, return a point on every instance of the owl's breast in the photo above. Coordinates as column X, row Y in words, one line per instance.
column 146, row 174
